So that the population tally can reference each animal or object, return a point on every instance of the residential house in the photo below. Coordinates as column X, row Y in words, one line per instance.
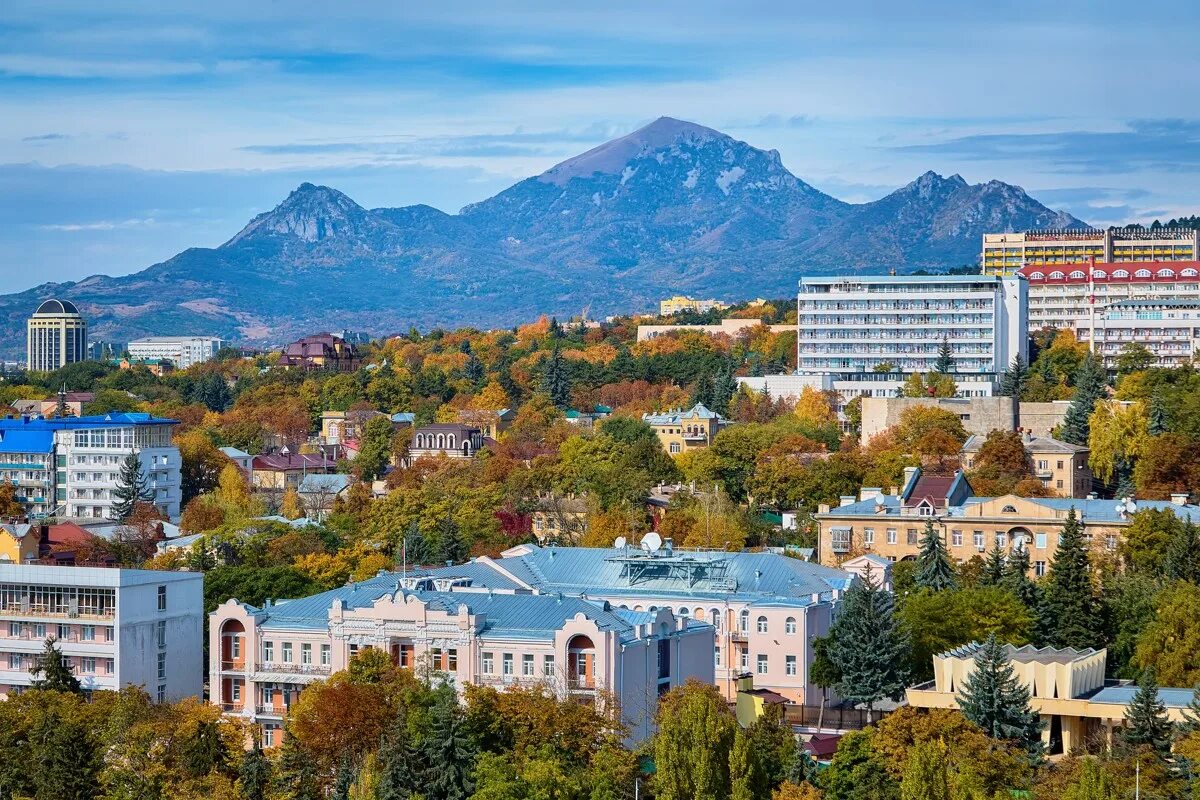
column 1062, row 467
column 490, row 422
column 243, row 460
column 284, row 470
column 445, row 438
column 319, row 491
column 19, row 543
column 559, row 518
column 341, row 427
column 682, row 431
column 322, row 351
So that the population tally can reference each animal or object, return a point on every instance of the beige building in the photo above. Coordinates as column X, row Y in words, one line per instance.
column 890, row 525
column 1005, row 253
column 1062, row 467
column 673, row 305
column 1066, row 687
column 684, row 431
column 979, row 415
column 559, row 518
column 729, row 327
column 56, row 335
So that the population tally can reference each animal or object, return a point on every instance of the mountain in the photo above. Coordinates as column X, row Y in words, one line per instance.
column 672, row 207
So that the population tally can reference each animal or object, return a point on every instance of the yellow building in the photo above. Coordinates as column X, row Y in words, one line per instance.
column 1067, row 689
column 18, row 543
column 673, row 305
column 1005, row 253
column 1062, row 467
column 56, row 335
column 684, row 431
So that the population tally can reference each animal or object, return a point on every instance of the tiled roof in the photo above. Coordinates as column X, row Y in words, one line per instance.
column 277, row 462
column 935, row 488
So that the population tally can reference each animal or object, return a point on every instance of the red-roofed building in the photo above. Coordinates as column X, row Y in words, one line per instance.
column 1063, row 295
column 286, row 470
column 322, row 351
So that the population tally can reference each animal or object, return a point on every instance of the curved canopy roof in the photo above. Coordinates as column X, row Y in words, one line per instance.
column 53, row 306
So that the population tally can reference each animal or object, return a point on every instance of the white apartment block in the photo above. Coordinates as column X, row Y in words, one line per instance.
column 116, row 627
column 1064, row 297
column 1006, row 253
column 181, row 351
column 1170, row 329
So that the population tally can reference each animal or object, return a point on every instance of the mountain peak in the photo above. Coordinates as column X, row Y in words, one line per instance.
column 310, row 213
column 611, row 157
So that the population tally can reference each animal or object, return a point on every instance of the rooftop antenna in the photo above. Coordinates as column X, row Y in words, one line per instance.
column 620, row 542
column 651, row 542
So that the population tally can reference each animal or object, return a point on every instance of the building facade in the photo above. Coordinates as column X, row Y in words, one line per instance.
column 116, row 627
column 262, row 658
column 673, row 305
column 87, row 453
column 733, row 327
column 1066, row 297
column 445, row 439
column 181, row 351
column 682, row 431
column 322, row 351
column 766, row 607
column 1062, row 467
column 1007, row 253
column 283, row 471
column 1169, row 329
column 56, row 335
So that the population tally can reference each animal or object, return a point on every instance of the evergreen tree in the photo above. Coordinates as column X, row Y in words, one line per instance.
column 51, row 671
column 555, row 381
column 254, row 775
column 867, row 647
column 68, row 764
column 1191, row 714
column 993, row 568
column 702, row 393
column 1070, row 609
column 804, row 768
column 342, row 781
column 131, row 487
column 1090, row 379
column 1012, row 384
column 944, row 364
column 1181, row 562
column 473, row 371
column 212, row 392
column 555, row 331
column 1158, row 424
column 448, row 754
column 295, row 777
column 204, row 752
column 60, row 408
column 997, row 702
column 400, row 766
column 451, row 547
column 1016, row 578
column 934, row 570
column 724, row 388
column 1146, row 723
column 414, row 549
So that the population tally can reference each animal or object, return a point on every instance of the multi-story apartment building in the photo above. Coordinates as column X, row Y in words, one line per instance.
column 864, row 325
column 890, row 524
column 1170, row 329
column 1066, row 297
column 1062, row 467
column 87, row 453
column 56, row 335
column 262, row 658
column 27, row 462
column 766, row 607
column 682, row 431
column 181, row 351
column 673, row 305
column 1006, row 253
column 116, row 627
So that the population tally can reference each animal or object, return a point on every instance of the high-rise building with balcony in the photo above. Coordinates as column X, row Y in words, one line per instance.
column 116, row 627
column 181, row 351
column 1064, row 297
column 1005, row 253
column 56, row 335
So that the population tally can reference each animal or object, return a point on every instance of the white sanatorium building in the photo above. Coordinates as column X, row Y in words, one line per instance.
column 181, row 351
column 116, row 627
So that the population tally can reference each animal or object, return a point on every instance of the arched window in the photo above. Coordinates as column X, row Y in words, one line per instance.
column 1142, row 273
column 714, row 617
column 1077, row 275
column 744, row 621
column 789, row 625
column 450, row 441
column 652, row 608
column 441, row 441
column 1008, row 510
column 1037, row 276
column 1188, row 273
column 683, row 612
column 1166, row 273
column 762, row 624
column 1121, row 273
column 637, row 608
column 1099, row 273
column 1056, row 276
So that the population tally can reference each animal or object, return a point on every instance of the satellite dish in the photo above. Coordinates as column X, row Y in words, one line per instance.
column 651, row 542
column 620, row 542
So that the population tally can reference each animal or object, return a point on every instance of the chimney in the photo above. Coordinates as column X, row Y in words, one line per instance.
column 846, row 500
column 1179, row 498
column 669, row 544
column 823, row 508
column 909, row 472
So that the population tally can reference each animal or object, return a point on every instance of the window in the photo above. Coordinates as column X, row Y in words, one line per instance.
column 1110, row 542
column 868, row 536
column 1121, row 274
column 160, row 634
column 760, row 665
column 840, row 540
column 268, row 734
column 527, row 665
column 161, row 694
column 1077, row 275
column 15, row 661
column 506, row 664
column 306, row 653
column 789, row 665
column 287, row 652
column 489, row 664
column 162, row 598
column 1039, row 540
column 235, row 647
column 268, row 652
column 977, row 540
column 1010, row 509
column 912, row 535
column 89, row 633
column 162, row 667
column 717, row 655
column 762, row 624
column 88, row 666
column 109, row 664
column 789, row 626
column 684, row 612
column 237, row 692
column 452, row 660
column 1001, row 540
column 548, row 666
column 1059, row 484
column 1039, row 568
column 1060, row 465
column 956, row 538
column 325, row 655
column 714, row 618
column 64, row 631
column 1056, row 276
column 674, row 448
column 1037, row 276
column 745, row 659
column 891, row 536
column 744, row 621
column 1142, row 273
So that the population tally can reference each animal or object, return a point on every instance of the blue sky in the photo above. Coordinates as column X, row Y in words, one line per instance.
column 130, row 131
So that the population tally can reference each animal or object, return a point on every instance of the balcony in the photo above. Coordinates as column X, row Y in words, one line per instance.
column 581, row 683
column 30, row 613
column 233, row 708
column 233, row 665
column 271, row 710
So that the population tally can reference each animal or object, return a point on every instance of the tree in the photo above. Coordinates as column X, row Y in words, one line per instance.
column 993, row 698
column 823, row 673
column 1181, row 562
column 1134, row 357
column 1117, row 435
column 131, row 487
column 1157, row 423
column 69, row 765
column 857, row 772
column 448, row 753
column 1093, row 783
column 926, row 776
column 343, row 781
column 691, row 749
column 1012, row 384
column 1090, row 379
column 51, row 671
column 944, row 364
column 291, row 507
column 1069, row 617
column 451, row 547
column 1146, row 723
column 993, row 568
column 1016, row 580
column 934, row 570
column 254, row 774
column 748, row 780
column 1170, row 640
column 867, row 647
column 10, row 506
column 376, row 448
column 232, row 490
column 295, row 777
column 555, row 380
column 939, row 621
column 200, row 464
column 934, row 384
column 400, row 768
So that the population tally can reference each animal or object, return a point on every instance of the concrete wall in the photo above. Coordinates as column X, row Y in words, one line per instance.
column 1040, row 419
column 979, row 415
column 183, row 647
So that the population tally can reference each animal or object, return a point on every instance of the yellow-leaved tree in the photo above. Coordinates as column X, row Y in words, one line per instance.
column 1117, row 433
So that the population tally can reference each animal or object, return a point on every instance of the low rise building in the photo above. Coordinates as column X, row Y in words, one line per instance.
column 262, row 658
column 181, row 351
column 673, row 305
column 322, row 351
column 318, row 492
column 732, row 327
column 1168, row 328
column 445, row 439
column 116, row 627
column 1067, row 688
column 559, row 518
column 1062, row 467
column 979, row 415
column 243, row 460
column 282, row 471
column 682, row 431
column 491, row 422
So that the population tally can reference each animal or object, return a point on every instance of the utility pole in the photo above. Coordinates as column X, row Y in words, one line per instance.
column 1092, row 303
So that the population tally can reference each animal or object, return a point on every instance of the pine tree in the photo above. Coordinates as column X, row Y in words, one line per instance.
column 400, row 766
column 452, row 548
column 702, row 393
column 204, row 752
column 448, row 754
column 1070, row 608
column 342, row 781
column 1158, row 414
column 1146, row 723
column 131, row 487
column 993, row 568
column 67, row 766
column 1012, row 384
column 1016, row 579
column 934, row 570
column 944, row 364
column 997, row 702
column 473, row 371
column 1181, row 562
column 295, row 777
column 254, row 775
column 555, row 381
column 1191, row 714
column 414, row 549
column 724, row 388
column 867, row 646
column 51, row 671
column 804, row 767
column 1090, row 379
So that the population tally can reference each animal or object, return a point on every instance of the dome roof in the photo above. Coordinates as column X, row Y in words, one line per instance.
column 57, row 307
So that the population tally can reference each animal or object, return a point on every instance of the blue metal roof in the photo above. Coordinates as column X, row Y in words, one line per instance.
column 23, row 440
column 112, row 420
column 1122, row 695
column 317, row 482
column 1092, row 510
